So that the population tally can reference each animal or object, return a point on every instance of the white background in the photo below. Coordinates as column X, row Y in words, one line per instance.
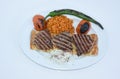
column 15, row 65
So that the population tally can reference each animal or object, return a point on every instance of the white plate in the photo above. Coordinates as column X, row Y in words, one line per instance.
column 44, row 60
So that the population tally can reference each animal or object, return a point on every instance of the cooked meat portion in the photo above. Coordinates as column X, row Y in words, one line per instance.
column 77, row 43
column 42, row 40
column 63, row 41
column 83, row 43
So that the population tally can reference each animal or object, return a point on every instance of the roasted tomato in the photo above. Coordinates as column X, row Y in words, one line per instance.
column 38, row 21
column 83, row 27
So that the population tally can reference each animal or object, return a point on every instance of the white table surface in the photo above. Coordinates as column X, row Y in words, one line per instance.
column 15, row 65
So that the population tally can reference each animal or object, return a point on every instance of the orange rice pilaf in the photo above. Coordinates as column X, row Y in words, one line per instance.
column 58, row 24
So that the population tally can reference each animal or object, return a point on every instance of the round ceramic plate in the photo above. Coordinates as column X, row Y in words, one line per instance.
column 43, row 58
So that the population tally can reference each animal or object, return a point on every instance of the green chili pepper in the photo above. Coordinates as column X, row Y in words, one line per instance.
column 75, row 13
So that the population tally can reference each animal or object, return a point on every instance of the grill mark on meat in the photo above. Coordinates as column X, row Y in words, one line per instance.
column 60, row 46
column 47, row 35
column 62, row 43
column 77, row 44
column 91, row 43
column 83, row 42
column 66, row 36
column 80, row 42
column 43, row 42
column 65, row 33
column 86, row 42
column 42, row 36
column 47, row 41
column 39, row 44
column 62, row 39
column 36, row 42
column 90, row 46
column 90, row 40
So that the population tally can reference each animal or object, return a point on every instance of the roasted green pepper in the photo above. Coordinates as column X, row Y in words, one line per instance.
column 75, row 13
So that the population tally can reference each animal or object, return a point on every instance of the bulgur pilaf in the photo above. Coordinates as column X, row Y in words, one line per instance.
column 59, row 24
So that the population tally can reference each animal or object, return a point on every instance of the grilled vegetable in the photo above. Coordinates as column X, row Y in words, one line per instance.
column 38, row 21
column 75, row 13
column 83, row 27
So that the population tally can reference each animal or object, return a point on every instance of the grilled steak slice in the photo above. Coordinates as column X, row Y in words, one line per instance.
column 83, row 43
column 63, row 41
column 42, row 40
